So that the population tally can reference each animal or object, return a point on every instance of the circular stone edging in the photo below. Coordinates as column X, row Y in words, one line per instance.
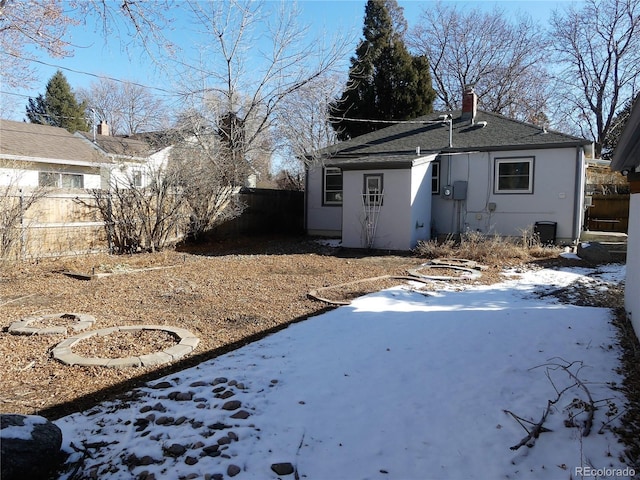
column 471, row 273
column 188, row 342
column 81, row 321
column 317, row 295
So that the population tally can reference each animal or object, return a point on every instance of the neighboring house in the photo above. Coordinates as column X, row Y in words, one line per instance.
column 626, row 159
column 132, row 159
column 46, row 170
column 442, row 174
column 33, row 155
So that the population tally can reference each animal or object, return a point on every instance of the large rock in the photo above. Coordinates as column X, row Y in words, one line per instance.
column 29, row 447
column 594, row 252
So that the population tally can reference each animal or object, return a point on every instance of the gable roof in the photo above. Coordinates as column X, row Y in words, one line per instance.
column 397, row 144
column 119, row 145
column 29, row 140
column 627, row 153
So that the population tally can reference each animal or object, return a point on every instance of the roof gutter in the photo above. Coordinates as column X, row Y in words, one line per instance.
column 56, row 161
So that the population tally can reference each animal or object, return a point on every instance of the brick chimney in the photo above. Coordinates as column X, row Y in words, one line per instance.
column 469, row 104
column 103, row 128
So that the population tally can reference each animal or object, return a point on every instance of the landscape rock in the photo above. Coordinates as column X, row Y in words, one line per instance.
column 241, row 414
column 233, row 470
column 593, row 252
column 30, row 447
column 175, row 450
column 232, row 405
column 282, row 468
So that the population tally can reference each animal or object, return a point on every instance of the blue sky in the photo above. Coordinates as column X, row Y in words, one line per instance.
column 106, row 57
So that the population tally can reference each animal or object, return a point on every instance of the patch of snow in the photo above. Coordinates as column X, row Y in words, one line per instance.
column 397, row 385
column 23, row 432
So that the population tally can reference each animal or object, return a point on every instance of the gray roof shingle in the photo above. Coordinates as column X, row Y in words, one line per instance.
column 627, row 153
column 44, row 141
column 120, row 145
column 396, row 143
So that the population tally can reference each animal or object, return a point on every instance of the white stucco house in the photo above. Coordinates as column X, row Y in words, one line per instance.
column 448, row 173
column 132, row 160
column 626, row 159
column 33, row 155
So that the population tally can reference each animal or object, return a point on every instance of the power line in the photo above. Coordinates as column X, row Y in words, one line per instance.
column 88, row 73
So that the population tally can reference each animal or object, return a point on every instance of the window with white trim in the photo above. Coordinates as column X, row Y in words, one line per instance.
column 373, row 188
column 514, row 175
column 435, row 178
column 332, row 186
column 136, row 178
column 60, row 180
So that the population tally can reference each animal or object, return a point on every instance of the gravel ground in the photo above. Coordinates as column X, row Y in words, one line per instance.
column 226, row 293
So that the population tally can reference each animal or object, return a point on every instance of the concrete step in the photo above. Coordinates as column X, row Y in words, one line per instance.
column 603, row 237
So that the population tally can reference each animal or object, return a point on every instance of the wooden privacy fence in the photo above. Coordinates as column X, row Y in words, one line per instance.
column 54, row 225
column 266, row 211
column 61, row 224
column 608, row 213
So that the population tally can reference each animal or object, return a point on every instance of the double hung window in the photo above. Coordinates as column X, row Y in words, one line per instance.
column 514, row 175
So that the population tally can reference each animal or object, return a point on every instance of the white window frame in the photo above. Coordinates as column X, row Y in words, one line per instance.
column 136, row 178
column 501, row 176
column 58, row 179
column 332, row 191
column 373, row 196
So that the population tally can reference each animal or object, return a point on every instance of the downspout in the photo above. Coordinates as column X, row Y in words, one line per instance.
column 305, row 220
column 578, row 196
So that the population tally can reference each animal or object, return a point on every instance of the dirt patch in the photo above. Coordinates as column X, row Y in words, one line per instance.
column 125, row 343
column 227, row 294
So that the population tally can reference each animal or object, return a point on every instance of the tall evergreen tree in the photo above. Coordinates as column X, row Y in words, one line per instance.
column 385, row 81
column 58, row 107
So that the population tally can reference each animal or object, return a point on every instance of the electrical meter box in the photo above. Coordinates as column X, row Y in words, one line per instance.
column 447, row 192
column 460, row 190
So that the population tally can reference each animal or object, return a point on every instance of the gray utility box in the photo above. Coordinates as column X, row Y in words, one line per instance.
column 459, row 190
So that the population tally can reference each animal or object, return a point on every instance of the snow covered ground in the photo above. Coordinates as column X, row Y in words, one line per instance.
column 398, row 385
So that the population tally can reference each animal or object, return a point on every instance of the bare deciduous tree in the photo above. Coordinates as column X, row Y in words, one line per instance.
column 28, row 28
column 14, row 203
column 24, row 25
column 149, row 218
column 303, row 128
column 209, row 180
column 128, row 107
column 504, row 61
column 255, row 59
column 598, row 47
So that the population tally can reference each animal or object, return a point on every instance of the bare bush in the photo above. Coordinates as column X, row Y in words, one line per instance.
column 141, row 218
column 492, row 249
column 14, row 202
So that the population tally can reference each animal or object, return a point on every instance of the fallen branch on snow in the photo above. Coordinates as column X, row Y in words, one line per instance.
column 538, row 427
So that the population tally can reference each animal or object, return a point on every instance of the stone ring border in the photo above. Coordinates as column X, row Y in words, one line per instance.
column 471, row 273
column 187, row 343
column 78, row 322
column 317, row 293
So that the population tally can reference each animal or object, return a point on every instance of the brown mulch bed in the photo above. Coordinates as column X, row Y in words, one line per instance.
column 227, row 293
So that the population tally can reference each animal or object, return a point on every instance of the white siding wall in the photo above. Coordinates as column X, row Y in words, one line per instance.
column 632, row 290
column 321, row 219
column 29, row 178
column 420, row 226
column 553, row 197
column 393, row 230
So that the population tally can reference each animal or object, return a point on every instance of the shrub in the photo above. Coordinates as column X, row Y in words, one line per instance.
column 492, row 249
